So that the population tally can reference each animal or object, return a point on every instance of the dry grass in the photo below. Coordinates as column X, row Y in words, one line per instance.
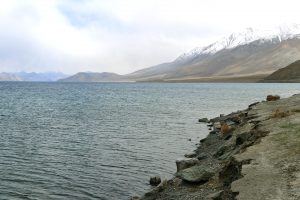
column 279, row 113
column 225, row 128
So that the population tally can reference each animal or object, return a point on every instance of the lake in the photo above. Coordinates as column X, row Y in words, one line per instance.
column 104, row 140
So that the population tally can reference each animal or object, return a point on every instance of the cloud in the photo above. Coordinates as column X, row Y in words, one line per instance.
column 121, row 36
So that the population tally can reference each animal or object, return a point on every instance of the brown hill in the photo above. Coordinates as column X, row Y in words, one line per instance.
column 289, row 74
column 93, row 77
column 256, row 58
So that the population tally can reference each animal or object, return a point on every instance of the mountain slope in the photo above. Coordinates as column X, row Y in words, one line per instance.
column 291, row 73
column 242, row 54
column 93, row 77
column 9, row 77
column 41, row 77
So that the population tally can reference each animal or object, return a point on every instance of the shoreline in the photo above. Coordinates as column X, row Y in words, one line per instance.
column 249, row 154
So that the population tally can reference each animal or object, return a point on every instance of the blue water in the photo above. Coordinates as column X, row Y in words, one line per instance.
column 104, row 141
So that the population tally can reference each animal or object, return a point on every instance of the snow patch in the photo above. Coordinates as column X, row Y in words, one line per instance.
column 247, row 36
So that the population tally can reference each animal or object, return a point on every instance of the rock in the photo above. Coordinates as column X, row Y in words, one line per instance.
column 213, row 132
column 273, row 97
column 227, row 137
column 201, row 156
column 241, row 138
column 190, row 155
column 225, row 128
column 222, row 150
column 155, row 181
column 195, row 174
column 135, row 198
column 233, row 121
column 225, row 156
column 217, row 125
column 186, row 163
column 253, row 104
column 210, row 125
column 215, row 196
column 202, row 140
column 190, row 139
column 203, row 120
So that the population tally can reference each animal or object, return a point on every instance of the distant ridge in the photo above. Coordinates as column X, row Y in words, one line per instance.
column 289, row 74
column 9, row 77
column 246, row 56
column 94, row 77
column 32, row 76
column 248, row 53
column 41, row 76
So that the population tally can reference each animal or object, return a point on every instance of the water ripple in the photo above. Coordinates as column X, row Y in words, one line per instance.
column 73, row 141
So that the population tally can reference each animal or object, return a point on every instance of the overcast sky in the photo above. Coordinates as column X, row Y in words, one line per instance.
column 122, row 35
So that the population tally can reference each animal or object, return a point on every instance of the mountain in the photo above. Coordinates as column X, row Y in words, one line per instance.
column 291, row 73
column 247, row 56
column 93, row 77
column 40, row 77
column 9, row 77
column 249, row 53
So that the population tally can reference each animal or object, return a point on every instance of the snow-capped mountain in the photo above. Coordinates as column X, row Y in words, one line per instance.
column 247, row 36
column 250, row 52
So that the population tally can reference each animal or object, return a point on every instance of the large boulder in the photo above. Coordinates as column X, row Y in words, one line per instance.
column 273, row 97
column 195, row 174
column 186, row 163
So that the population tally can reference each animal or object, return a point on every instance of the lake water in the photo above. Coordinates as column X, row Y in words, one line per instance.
column 102, row 140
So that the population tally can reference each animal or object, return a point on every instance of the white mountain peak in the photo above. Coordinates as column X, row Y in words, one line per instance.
column 247, row 36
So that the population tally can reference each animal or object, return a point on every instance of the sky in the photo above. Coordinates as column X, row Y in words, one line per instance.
column 122, row 36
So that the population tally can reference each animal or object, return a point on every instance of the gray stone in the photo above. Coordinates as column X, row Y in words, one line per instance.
column 201, row 156
column 222, row 150
column 202, row 140
column 213, row 132
column 186, row 163
column 203, row 120
column 154, row 181
column 195, row 174
column 230, row 123
column 242, row 137
column 190, row 155
column 210, row 125
column 135, row 198
column 215, row 196
column 217, row 125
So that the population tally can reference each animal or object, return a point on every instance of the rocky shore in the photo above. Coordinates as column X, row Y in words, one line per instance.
column 249, row 154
